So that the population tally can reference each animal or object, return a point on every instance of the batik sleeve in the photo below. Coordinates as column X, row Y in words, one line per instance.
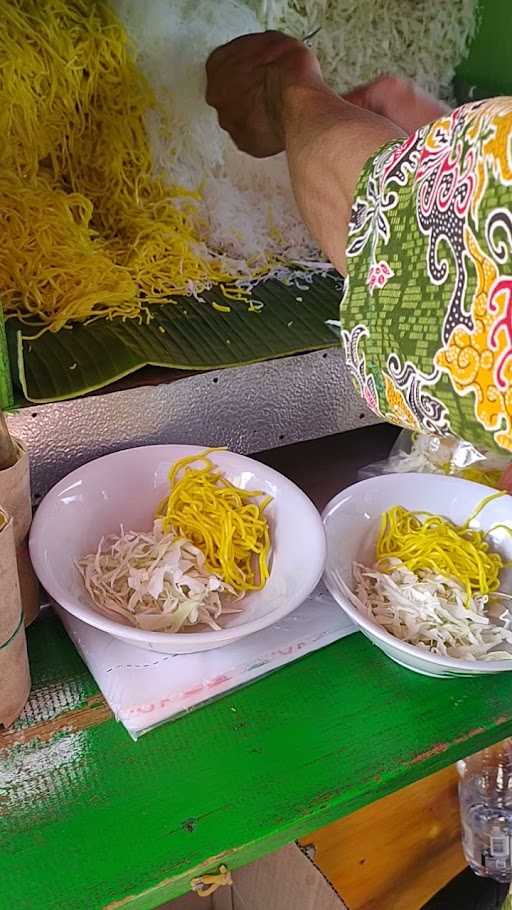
column 427, row 309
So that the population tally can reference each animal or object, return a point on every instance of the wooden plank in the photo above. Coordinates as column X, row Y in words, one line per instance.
column 240, row 777
column 398, row 852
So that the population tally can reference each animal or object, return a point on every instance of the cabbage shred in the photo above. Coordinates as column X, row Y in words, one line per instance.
column 247, row 210
column 118, row 188
column 155, row 581
column 431, row 612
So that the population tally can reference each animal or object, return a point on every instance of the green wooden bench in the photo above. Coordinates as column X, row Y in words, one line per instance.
column 90, row 819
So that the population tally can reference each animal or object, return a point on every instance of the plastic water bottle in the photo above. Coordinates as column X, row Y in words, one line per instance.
column 485, row 795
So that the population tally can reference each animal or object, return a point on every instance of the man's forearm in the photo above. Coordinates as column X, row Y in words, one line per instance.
column 269, row 95
column 328, row 141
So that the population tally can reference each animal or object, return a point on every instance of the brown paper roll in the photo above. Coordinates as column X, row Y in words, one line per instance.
column 14, row 669
column 15, row 498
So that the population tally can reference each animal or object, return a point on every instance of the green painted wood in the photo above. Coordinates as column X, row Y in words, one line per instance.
column 6, row 392
column 91, row 820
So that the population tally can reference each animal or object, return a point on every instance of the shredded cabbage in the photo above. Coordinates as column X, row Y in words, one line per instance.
column 155, row 581
column 447, row 455
column 165, row 204
column 432, row 612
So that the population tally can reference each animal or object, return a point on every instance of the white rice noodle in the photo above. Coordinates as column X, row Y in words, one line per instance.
column 360, row 39
column 248, row 214
column 248, row 211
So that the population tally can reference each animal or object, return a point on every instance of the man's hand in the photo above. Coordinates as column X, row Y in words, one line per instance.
column 399, row 100
column 269, row 94
column 247, row 80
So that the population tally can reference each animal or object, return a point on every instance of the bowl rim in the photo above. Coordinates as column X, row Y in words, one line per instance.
column 134, row 635
column 452, row 663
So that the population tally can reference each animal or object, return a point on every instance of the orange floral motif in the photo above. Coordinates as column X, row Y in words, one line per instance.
column 399, row 411
column 496, row 148
column 438, row 134
column 479, row 361
column 498, row 145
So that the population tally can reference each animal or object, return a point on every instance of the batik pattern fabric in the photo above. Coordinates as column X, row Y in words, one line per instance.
column 427, row 309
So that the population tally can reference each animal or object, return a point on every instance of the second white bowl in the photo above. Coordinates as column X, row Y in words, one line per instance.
column 351, row 522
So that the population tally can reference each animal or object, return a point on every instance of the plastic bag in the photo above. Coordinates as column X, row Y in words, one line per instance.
column 424, row 454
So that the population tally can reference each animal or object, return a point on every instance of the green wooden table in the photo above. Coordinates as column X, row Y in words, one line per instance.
column 91, row 820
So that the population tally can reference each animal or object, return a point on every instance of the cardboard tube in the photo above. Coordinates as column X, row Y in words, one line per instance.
column 14, row 669
column 15, row 498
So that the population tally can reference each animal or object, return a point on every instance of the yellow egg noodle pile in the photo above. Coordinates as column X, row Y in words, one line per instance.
column 421, row 540
column 222, row 520
column 86, row 229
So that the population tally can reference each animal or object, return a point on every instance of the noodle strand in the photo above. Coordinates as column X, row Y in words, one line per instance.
column 421, row 540
column 225, row 522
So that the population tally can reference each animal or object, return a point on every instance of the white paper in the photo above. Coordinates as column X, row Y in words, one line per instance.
column 145, row 689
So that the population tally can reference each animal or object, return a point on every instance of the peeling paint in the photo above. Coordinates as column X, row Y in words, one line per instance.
column 94, row 711
column 27, row 771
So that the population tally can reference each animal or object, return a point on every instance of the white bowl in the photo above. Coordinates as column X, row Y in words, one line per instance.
column 125, row 488
column 351, row 522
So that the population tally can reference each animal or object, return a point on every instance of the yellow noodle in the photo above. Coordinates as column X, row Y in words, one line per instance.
column 224, row 521
column 47, row 255
column 491, row 477
column 76, row 167
column 421, row 540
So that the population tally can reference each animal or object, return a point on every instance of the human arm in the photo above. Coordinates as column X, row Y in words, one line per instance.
column 399, row 100
column 270, row 96
column 427, row 348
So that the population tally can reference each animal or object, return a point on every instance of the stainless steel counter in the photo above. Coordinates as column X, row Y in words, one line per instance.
column 248, row 409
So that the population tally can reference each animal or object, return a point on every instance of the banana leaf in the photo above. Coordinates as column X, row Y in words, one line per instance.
column 184, row 334
column 6, row 390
